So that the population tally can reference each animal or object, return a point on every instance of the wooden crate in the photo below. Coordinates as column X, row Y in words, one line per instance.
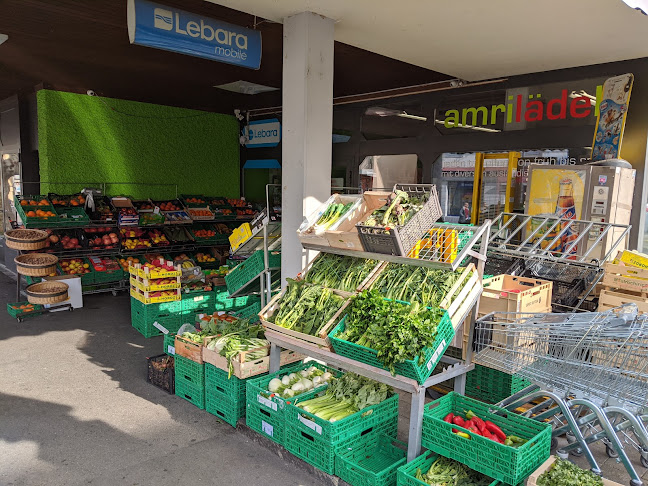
column 620, row 276
column 533, row 479
column 189, row 349
column 609, row 299
column 506, row 293
column 320, row 341
column 369, row 279
column 458, row 301
column 245, row 369
column 307, row 234
column 346, row 235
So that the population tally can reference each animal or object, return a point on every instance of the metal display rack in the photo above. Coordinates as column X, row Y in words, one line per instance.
column 476, row 240
column 266, row 236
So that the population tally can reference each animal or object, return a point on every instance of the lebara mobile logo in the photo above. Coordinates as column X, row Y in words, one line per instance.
column 163, row 19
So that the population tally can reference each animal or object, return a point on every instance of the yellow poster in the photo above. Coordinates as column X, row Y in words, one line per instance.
column 545, row 190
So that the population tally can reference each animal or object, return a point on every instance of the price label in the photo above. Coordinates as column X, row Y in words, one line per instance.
column 436, row 355
column 171, row 349
column 268, row 403
column 310, row 424
column 267, row 428
column 199, row 298
column 161, row 327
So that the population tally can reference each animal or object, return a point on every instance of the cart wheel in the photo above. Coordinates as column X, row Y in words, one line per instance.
column 577, row 452
column 611, row 452
column 554, row 443
column 19, row 319
column 643, row 460
column 562, row 455
column 71, row 308
column 114, row 292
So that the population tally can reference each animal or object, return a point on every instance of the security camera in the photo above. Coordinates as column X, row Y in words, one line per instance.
column 91, row 93
column 237, row 114
column 243, row 140
column 456, row 83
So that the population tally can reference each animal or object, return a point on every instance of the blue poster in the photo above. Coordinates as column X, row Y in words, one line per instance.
column 171, row 29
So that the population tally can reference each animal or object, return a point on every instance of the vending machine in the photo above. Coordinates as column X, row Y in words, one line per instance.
column 600, row 194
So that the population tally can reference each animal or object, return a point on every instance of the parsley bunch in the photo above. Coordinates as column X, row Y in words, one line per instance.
column 398, row 332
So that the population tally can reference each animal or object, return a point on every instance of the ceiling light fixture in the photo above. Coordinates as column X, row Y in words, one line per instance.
column 641, row 5
column 245, row 87
column 3, row 38
column 412, row 117
column 471, row 127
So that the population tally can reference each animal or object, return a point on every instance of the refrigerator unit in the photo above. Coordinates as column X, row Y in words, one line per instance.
column 601, row 194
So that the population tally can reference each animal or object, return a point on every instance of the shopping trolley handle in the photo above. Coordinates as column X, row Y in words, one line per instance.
column 624, row 315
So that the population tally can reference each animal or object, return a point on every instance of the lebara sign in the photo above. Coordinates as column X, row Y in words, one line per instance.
column 153, row 25
column 263, row 133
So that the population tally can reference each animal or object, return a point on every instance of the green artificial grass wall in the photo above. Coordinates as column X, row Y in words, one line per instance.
column 82, row 140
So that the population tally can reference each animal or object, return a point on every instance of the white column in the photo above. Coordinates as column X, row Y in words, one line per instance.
column 307, row 118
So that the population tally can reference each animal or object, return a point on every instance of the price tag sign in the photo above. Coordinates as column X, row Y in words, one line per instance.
column 267, row 428
column 310, row 424
column 268, row 403
column 163, row 329
column 199, row 298
column 436, row 354
column 171, row 349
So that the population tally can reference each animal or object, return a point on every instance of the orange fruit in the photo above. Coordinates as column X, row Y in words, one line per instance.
column 23, row 203
column 31, row 214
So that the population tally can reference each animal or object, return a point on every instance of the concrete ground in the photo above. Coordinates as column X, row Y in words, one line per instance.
column 75, row 408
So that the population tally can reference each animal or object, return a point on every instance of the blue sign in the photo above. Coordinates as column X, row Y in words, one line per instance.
column 162, row 27
column 263, row 133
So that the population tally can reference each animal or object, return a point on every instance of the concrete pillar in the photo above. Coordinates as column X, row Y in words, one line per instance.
column 307, row 116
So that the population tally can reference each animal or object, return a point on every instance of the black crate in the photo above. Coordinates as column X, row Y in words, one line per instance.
column 499, row 265
column 564, row 296
column 399, row 240
column 162, row 378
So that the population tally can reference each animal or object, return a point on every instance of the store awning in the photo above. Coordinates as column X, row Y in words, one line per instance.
column 262, row 164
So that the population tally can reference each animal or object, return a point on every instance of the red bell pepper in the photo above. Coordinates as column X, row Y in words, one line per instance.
column 474, row 430
column 457, row 420
column 495, row 430
column 469, row 423
column 448, row 418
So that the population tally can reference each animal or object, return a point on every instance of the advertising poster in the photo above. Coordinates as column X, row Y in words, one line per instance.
column 556, row 192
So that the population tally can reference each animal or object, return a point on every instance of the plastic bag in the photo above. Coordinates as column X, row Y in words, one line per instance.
column 186, row 328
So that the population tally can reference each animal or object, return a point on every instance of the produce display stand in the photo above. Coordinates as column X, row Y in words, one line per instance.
column 457, row 369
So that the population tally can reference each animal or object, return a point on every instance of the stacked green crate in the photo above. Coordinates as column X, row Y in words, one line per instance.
column 223, row 301
column 190, row 381
column 492, row 386
column 265, row 410
column 317, row 441
column 144, row 316
column 224, row 397
column 193, row 303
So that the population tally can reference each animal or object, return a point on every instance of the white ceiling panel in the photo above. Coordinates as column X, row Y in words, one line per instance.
column 478, row 39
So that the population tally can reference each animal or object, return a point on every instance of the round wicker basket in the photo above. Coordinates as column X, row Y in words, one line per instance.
column 36, row 264
column 26, row 239
column 49, row 292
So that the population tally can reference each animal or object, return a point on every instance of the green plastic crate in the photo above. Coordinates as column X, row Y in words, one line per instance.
column 150, row 311
column 145, row 323
column 262, row 421
column 413, row 368
column 36, row 222
column 347, row 427
column 217, row 380
column 251, row 312
column 197, row 302
column 226, row 409
column 110, row 275
column 192, row 393
column 72, row 216
column 249, row 269
column 507, row 464
column 190, row 371
column 371, row 463
column 406, row 475
column 223, row 302
column 321, row 453
column 15, row 313
column 492, row 386
column 169, row 343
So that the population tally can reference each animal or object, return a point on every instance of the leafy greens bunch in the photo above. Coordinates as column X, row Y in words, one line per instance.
column 565, row 473
column 398, row 332
column 306, row 308
column 398, row 211
column 332, row 214
column 247, row 339
column 339, row 272
column 410, row 283
column 345, row 396
column 446, row 472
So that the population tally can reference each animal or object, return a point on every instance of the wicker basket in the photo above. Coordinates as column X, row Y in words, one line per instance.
column 26, row 239
column 36, row 264
column 48, row 292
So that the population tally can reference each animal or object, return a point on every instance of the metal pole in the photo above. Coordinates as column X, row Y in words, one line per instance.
column 416, row 424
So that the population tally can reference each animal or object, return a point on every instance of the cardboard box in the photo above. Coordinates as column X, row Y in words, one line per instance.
column 346, row 235
column 309, row 235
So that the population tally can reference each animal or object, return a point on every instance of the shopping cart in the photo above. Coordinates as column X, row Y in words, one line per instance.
column 590, row 372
